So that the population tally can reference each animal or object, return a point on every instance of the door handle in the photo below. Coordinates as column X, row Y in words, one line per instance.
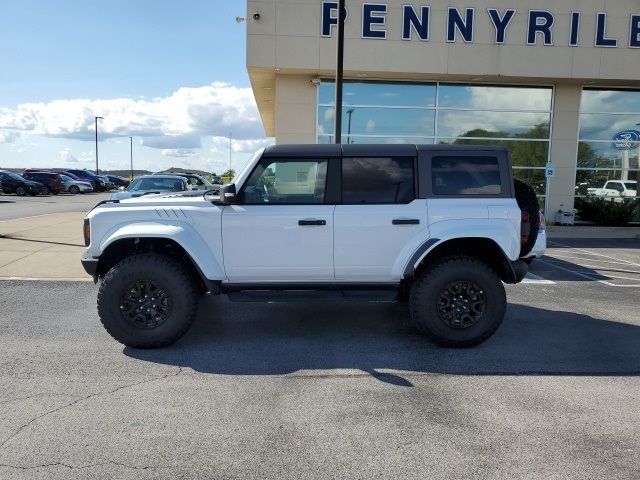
column 309, row 223
column 405, row 221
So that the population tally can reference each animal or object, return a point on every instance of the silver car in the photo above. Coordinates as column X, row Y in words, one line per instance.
column 149, row 184
column 75, row 186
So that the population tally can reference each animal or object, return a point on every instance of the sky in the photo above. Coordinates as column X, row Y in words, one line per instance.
column 170, row 74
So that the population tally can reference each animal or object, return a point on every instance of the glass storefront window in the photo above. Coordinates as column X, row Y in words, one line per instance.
column 523, row 154
column 379, row 121
column 495, row 97
column 361, row 139
column 609, row 146
column 380, row 94
column 464, row 123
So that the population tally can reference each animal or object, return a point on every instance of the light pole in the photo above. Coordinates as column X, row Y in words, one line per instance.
column 230, row 157
column 349, row 112
column 96, row 123
column 131, row 155
column 339, row 72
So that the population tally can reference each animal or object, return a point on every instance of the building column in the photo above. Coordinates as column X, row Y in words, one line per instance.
column 564, row 148
column 296, row 99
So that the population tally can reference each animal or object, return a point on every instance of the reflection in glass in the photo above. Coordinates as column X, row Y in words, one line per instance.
column 452, row 123
column 377, row 180
column 610, row 101
column 378, row 121
column 533, row 177
column 397, row 94
column 605, row 155
column 587, row 180
column 495, row 97
column 360, row 140
column 595, row 126
column 523, row 153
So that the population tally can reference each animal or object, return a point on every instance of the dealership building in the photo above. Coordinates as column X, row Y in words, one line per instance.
column 554, row 82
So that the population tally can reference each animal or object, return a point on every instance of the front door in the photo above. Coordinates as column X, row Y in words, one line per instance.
column 281, row 231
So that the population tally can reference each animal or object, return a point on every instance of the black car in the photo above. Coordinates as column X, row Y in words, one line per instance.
column 118, row 181
column 14, row 183
column 52, row 181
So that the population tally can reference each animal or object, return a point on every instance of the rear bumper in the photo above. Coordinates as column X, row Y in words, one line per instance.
column 90, row 265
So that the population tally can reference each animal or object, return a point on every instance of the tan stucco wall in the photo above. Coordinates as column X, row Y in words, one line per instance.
column 285, row 51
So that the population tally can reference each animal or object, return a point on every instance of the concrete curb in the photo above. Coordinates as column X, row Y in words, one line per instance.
column 554, row 231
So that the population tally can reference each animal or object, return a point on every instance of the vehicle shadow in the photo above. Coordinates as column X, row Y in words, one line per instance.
column 275, row 339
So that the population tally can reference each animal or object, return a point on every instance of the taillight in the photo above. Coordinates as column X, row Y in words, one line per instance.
column 525, row 228
column 86, row 230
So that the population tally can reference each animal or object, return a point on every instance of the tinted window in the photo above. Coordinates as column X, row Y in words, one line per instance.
column 287, row 181
column 377, row 180
column 466, row 176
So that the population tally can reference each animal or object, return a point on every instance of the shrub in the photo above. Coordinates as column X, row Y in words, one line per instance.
column 607, row 211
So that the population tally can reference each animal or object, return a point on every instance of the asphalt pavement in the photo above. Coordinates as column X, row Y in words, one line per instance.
column 13, row 207
column 331, row 390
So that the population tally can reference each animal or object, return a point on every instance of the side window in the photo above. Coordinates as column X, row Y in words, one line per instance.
column 616, row 186
column 461, row 175
column 286, row 181
column 377, row 180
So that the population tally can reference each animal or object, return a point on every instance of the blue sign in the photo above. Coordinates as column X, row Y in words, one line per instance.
column 626, row 140
column 550, row 170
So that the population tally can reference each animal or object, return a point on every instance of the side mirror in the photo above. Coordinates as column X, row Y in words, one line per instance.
column 228, row 194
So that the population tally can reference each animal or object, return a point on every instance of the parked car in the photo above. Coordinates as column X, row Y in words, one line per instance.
column 87, row 176
column 118, row 181
column 14, row 183
column 108, row 184
column 52, row 181
column 616, row 189
column 148, row 184
column 194, row 181
column 74, row 186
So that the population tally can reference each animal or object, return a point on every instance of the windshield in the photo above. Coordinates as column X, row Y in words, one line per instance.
column 160, row 184
column 70, row 175
column 14, row 176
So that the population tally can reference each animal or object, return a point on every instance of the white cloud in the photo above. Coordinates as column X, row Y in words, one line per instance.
column 178, row 153
column 172, row 122
column 8, row 137
column 370, row 127
column 67, row 157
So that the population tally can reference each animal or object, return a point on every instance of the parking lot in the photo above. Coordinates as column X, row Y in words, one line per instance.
column 325, row 390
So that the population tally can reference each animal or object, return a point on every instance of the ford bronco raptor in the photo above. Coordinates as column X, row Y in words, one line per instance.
column 439, row 226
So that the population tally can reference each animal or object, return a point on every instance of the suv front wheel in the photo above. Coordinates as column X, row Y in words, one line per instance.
column 459, row 302
column 147, row 301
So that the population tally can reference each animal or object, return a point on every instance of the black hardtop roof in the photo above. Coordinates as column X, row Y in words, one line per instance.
column 370, row 150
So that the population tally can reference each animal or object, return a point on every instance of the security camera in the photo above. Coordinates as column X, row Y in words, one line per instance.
column 256, row 16
column 314, row 81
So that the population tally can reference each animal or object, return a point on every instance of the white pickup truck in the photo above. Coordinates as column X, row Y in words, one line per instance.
column 615, row 189
column 438, row 226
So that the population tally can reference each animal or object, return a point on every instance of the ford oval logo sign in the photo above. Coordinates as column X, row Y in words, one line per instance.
column 626, row 140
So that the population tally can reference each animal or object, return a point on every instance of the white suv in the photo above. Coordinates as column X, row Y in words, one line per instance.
column 438, row 226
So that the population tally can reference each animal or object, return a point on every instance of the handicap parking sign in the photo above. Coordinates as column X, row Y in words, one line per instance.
column 550, row 170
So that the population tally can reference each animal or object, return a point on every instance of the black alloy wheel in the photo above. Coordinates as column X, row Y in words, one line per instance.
column 145, row 304
column 461, row 304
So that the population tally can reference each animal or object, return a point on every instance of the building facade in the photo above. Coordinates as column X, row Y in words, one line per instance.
column 554, row 82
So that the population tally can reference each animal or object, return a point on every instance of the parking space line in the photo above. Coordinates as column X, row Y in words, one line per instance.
column 594, row 253
column 555, row 255
column 533, row 279
column 588, row 276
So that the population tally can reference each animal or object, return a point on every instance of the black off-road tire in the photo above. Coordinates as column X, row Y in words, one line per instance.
column 426, row 301
column 168, row 276
column 21, row 191
column 528, row 203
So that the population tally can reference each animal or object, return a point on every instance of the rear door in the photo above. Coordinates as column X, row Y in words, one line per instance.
column 378, row 219
column 282, row 229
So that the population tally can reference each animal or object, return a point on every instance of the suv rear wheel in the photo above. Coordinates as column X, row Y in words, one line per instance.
column 460, row 302
column 147, row 301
